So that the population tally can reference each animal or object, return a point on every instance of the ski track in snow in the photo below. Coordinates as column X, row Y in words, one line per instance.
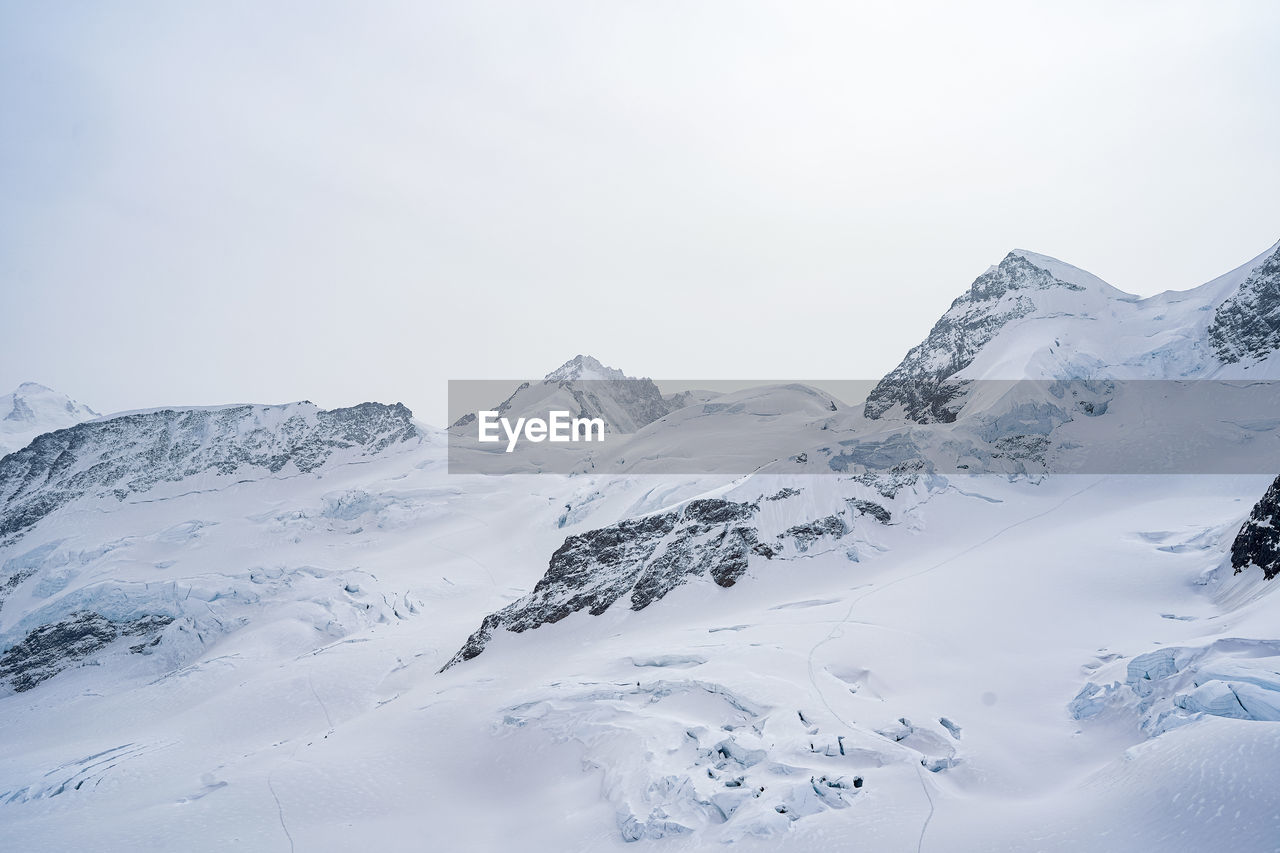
column 836, row 632
column 328, row 719
column 280, row 811
column 435, row 543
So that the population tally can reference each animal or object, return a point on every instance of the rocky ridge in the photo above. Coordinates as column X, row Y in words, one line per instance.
column 132, row 453
column 643, row 559
column 1247, row 324
column 1258, row 542
column 997, row 297
column 589, row 389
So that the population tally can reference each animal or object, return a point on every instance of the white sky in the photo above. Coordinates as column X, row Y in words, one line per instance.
column 223, row 202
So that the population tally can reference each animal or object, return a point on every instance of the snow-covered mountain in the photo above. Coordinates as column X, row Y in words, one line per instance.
column 129, row 454
column 32, row 409
column 588, row 389
column 1033, row 317
column 278, row 626
column 137, row 459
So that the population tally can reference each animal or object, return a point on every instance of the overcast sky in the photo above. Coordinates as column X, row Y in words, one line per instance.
column 221, row 202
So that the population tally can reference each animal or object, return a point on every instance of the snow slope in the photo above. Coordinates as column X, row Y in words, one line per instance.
column 316, row 626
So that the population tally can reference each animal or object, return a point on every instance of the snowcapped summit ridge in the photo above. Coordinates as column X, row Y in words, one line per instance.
column 32, row 409
column 584, row 367
column 1034, row 317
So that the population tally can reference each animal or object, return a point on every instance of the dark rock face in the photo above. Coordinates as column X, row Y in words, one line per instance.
column 645, row 557
column 1258, row 542
column 872, row 509
column 49, row 649
column 899, row 476
column 810, row 532
column 132, row 453
column 921, row 383
column 1247, row 325
column 12, row 581
column 591, row 383
column 505, row 406
column 639, row 398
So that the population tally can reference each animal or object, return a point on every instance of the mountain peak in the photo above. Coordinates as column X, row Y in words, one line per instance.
column 588, row 388
column 1025, row 286
column 1066, row 274
column 32, row 409
column 583, row 367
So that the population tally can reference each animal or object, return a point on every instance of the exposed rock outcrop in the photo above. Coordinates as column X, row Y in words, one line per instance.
column 644, row 557
column 1258, row 542
column 1247, row 324
column 51, row 648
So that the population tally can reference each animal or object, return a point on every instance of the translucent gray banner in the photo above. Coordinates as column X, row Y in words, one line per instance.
column 854, row 427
